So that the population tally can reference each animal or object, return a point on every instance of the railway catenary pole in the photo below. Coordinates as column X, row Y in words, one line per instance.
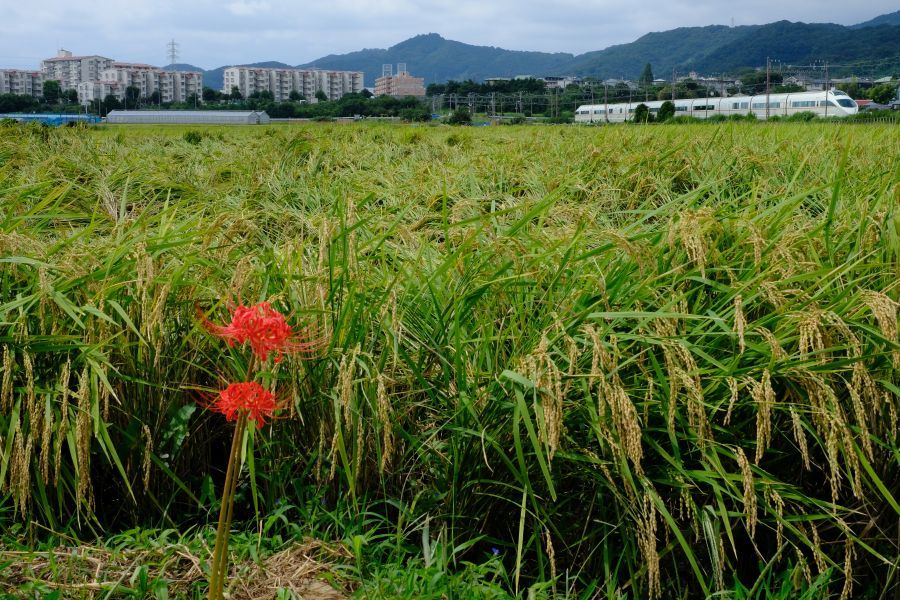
column 605, row 102
column 673, row 86
column 826, row 88
column 768, row 63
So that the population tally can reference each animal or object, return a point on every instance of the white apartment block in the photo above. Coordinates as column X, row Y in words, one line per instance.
column 173, row 86
column 21, row 83
column 281, row 82
column 89, row 91
column 70, row 70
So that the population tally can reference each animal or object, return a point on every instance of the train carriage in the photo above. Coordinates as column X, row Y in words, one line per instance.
column 833, row 103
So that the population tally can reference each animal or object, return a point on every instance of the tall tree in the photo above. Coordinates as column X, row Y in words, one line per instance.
column 646, row 76
column 52, row 91
column 666, row 111
column 132, row 95
column 641, row 113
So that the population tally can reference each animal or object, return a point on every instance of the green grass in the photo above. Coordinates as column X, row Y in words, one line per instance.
column 622, row 357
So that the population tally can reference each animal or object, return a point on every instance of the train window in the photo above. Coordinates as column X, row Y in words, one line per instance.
column 681, row 108
column 846, row 102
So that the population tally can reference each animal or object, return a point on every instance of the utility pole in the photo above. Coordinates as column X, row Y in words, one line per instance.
column 706, row 108
column 605, row 102
column 768, row 64
column 826, row 88
column 673, row 86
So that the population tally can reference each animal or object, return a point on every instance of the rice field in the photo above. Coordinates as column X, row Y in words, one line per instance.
column 629, row 361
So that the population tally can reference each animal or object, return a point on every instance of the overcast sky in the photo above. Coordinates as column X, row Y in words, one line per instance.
column 212, row 34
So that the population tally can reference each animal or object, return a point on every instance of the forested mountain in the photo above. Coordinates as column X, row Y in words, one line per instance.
column 871, row 48
column 888, row 19
column 182, row 67
column 438, row 59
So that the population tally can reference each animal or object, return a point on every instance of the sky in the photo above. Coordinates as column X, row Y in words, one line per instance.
column 215, row 33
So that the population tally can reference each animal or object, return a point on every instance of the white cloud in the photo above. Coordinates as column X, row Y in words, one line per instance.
column 212, row 34
column 242, row 8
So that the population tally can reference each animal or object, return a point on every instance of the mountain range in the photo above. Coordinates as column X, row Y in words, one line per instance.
column 869, row 48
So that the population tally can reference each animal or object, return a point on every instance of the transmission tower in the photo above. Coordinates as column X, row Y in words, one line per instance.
column 172, row 52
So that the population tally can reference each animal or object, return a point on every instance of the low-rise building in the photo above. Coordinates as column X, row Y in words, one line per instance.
column 400, row 85
column 281, row 82
column 560, row 83
column 21, row 83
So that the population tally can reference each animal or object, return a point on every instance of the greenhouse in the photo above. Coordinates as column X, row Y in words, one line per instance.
column 50, row 119
column 188, row 117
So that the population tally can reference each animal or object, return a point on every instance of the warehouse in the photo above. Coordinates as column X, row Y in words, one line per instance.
column 188, row 117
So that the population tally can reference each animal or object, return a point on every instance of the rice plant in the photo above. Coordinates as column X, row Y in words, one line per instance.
column 616, row 361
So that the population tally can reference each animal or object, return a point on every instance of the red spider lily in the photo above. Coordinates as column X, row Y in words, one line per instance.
column 249, row 396
column 265, row 329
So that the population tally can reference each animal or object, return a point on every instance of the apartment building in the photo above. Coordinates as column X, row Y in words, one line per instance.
column 91, row 91
column 21, row 83
column 400, row 85
column 173, row 86
column 281, row 82
column 143, row 77
column 71, row 70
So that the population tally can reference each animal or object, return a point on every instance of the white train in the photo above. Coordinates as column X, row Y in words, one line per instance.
column 834, row 103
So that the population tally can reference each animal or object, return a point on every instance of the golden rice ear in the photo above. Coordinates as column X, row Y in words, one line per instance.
column 83, row 432
column 739, row 322
column 6, row 384
column 885, row 311
column 750, row 515
column 386, row 419
column 646, row 539
column 148, row 450
column 849, row 555
column 800, row 437
column 764, row 397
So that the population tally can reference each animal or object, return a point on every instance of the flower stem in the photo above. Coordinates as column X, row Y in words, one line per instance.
column 226, row 512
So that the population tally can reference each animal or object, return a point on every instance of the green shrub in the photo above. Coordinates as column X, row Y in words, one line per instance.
column 192, row 136
column 460, row 116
